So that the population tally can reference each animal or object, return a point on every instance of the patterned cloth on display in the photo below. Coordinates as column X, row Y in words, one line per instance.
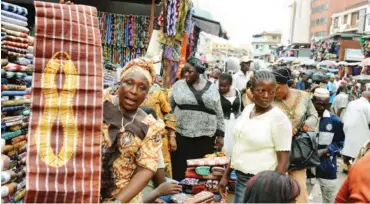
column 14, row 21
column 16, row 67
column 15, row 44
column 71, row 173
column 13, row 15
column 14, row 27
column 16, row 39
column 15, row 49
column 217, row 161
column 13, row 8
column 14, row 33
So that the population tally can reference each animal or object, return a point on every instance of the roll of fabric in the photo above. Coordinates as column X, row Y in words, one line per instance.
column 19, row 139
column 16, row 54
column 16, row 67
column 29, row 55
column 10, row 135
column 4, row 81
column 22, row 61
column 17, row 75
column 218, row 171
column 13, row 93
column 13, row 87
column 30, row 49
column 7, row 176
column 8, row 189
column 217, row 161
column 13, row 15
column 17, row 39
column 14, row 21
column 4, row 62
column 26, row 112
column 14, row 8
column 5, row 162
column 15, row 49
column 19, row 195
column 28, row 78
column 14, row 27
column 2, row 142
column 12, row 108
column 17, row 146
column 15, row 44
column 190, row 173
column 13, row 118
column 31, row 40
column 14, row 33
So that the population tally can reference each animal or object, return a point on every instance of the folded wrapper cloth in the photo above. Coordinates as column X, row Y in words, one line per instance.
column 17, row 67
column 14, row 21
column 14, row 27
column 203, row 170
column 14, row 33
column 190, row 173
column 13, row 93
column 179, row 198
column 16, row 39
column 13, row 8
column 212, row 185
column 13, row 87
column 217, row 161
column 202, row 197
column 198, row 188
column 15, row 49
column 189, row 181
column 13, row 15
column 218, row 171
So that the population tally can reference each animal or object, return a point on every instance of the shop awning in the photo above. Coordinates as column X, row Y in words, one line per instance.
column 204, row 20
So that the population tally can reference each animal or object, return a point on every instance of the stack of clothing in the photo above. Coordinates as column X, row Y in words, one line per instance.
column 16, row 78
column 204, row 175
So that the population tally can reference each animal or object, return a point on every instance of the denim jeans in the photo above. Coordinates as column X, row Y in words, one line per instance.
column 241, row 186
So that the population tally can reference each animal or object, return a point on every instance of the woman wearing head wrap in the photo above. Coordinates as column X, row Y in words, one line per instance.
column 199, row 117
column 131, row 140
column 302, row 114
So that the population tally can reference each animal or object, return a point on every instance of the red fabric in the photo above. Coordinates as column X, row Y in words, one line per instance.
column 356, row 188
column 73, row 32
column 198, row 188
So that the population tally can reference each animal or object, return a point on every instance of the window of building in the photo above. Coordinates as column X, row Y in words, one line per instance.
column 319, row 21
column 320, row 8
column 354, row 19
column 336, row 20
column 345, row 18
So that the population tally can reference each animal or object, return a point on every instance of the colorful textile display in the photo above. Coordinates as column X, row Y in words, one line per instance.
column 217, row 161
column 65, row 115
column 14, row 124
column 124, row 37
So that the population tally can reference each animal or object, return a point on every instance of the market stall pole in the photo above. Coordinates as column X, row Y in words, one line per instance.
column 151, row 25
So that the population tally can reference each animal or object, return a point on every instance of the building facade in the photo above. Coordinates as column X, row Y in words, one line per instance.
column 300, row 11
column 352, row 20
column 263, row 42
column 322, row 11
column 367, row 19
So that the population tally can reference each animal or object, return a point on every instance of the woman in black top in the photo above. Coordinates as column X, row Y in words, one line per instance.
column 232, row 106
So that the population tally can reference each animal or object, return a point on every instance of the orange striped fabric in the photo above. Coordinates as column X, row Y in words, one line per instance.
column 65, row 125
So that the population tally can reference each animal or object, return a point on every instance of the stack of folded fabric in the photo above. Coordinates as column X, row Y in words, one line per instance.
column 203, row 175
column 16, row 78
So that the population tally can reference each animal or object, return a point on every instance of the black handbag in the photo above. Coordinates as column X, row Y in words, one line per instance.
column 303, row 154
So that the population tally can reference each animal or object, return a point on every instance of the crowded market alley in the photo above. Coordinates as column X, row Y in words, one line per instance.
column 185, row 101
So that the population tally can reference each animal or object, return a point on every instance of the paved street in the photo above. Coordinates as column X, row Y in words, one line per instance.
column 315, row 196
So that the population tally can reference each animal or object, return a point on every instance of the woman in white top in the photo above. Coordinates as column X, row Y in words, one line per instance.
column 262, row 134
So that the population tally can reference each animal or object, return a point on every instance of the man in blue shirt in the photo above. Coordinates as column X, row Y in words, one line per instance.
column 330, row 141
column 303, row 84
column 332, row 87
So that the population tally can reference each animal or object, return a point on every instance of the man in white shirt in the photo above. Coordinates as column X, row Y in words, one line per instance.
column 356, row 127
column 341, row 101
column 241, row 78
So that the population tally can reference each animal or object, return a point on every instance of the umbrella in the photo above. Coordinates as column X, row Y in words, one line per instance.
column 326, row 64
column 362, row 78
column 297, row 61
column 366, row 62
column 285, row 60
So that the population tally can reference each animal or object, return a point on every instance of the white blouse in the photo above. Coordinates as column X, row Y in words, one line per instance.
column 258, row 139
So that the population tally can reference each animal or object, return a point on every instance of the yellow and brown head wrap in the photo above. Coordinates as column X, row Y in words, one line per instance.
column 143, row 65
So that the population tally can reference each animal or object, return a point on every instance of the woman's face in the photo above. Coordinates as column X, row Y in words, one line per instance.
column 264, row 93
column 224, row 86
column 133, row 90
column 281, row 91
column 191, row 75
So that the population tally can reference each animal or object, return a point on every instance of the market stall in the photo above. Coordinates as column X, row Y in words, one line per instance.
column 16, row 80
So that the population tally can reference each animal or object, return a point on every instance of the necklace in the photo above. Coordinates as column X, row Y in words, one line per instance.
column 124, row 126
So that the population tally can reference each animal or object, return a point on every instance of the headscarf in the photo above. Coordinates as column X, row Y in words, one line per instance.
column 283, row 75
column 143, row 65
column 198, row 64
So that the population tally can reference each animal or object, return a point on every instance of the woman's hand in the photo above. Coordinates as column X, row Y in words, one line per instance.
column 306, row 128
column 219, row 143
column 172, row 143
column 168, row 189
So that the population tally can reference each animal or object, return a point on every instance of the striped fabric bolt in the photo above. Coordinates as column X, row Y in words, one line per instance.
column 13, row 8
column 13, row 15
column 65, row 124
column 14, row 27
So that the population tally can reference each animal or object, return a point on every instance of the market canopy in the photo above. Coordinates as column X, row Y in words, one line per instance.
column 205, row 22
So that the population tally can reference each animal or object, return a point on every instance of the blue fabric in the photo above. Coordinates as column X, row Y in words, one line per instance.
column 13, row 8
column 12, row 108
column 4, row 81
column 241, row 186
column 13, row 93
column 328, row 163
column 300, row 86
column 13, row 15
column 331, row 87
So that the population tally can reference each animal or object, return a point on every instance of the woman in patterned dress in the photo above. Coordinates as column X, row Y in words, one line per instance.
column 297, row 105
column 131, row 138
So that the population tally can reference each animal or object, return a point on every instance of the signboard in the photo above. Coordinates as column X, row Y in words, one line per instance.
column 353, row 55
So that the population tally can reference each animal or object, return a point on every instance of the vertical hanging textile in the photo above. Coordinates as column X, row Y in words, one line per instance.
column 65, row 124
